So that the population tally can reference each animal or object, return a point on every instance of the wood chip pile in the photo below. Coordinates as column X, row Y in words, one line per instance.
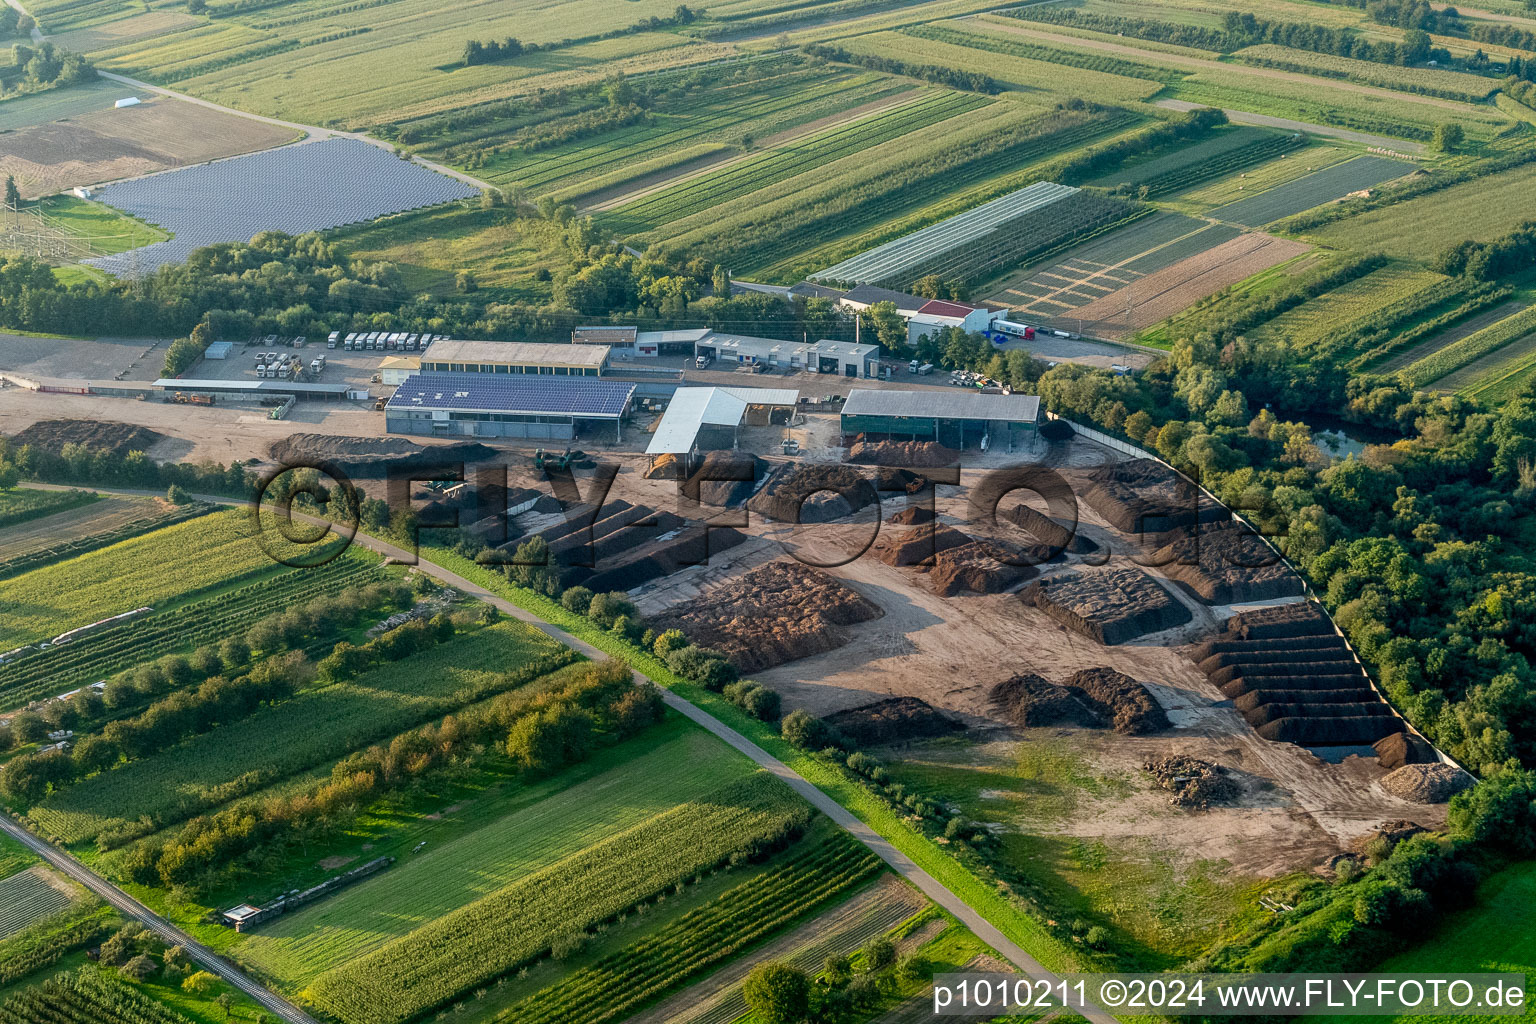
column 913, row 454
column 1292, row 677
column 809, row 492
column 1224, row 563
column 1427, row 783
column 1111, row 606
column 893, row 720
column 1096, row 698
column 776, row 613
column 1142, row 497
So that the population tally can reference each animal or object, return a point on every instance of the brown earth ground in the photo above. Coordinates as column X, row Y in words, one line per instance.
column 109, row 144
column 946, row 651
column 1163, row 293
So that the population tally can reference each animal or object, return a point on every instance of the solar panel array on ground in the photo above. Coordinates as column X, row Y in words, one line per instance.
column 513, row 394
column 1104, row 265
column 879, row 263
column 309, row 186
column 1314, row 189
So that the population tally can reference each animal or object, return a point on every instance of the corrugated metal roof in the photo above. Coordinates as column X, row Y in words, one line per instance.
column 280, row 386
column 868, row 295
column 950, row 405
column 765, row 396
column 511, row 394
column 517, row 353
column 690, row 410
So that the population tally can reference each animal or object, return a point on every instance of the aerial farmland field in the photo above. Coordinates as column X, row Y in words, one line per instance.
column 1315, row 189
column 1418, row 228
column 129, row 574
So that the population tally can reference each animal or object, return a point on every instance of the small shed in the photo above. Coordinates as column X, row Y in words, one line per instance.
column 236, row 916
column 127, row 101
column 219, row 350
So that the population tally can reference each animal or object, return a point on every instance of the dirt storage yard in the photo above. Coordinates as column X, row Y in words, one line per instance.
column 1077, row 786
column 112, row 143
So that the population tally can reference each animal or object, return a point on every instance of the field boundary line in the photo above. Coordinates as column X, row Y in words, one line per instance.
column 127, row 905
column 312, row 130
column 882, row 847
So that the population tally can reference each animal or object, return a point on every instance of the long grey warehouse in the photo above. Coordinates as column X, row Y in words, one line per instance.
column 491, row 405
column 956, row 419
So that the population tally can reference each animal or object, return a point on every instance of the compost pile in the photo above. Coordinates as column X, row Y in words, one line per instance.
column 916, row 545
column 915, row 454
column 893, row 720
column 1146, row 497
column 1056, row 431
column 912, row 515
column 725, row 479
column 1125, row 704
column 980, row 567
column 810, row 492
column 1193, row 782
column 1028, row 700
column 1111, row 606
column 1426, row 783
column 1050, row 536
column 776, row 613
column 117, row 438
column 1227, row 562
column 622, row 546
column 1293, row 678
column 1402, row 748
column 374, row 456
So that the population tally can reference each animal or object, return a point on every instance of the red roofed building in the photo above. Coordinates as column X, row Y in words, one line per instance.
column 937, row 314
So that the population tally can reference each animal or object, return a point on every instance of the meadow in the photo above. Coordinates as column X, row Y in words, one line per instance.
column 211, row 551
column 1418, row 229
column 318, row 725
column 515, row 924
column 655, row 776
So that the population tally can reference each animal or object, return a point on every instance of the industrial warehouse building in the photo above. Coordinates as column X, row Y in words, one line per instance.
column 843, row 358
column 515, row 357
column 506, row 406
column 701, row 420
column 955, row 419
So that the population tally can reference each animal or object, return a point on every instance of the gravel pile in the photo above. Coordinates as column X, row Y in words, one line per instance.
column 1426, row 783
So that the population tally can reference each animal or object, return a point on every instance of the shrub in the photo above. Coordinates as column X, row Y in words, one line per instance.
column 778, row 993
column 671, row 640
column 879, row 954
column 703, row 666
column 805, row 730
column 605, row 609
column 577, row 599
column 755, row 699
column 1097, row 937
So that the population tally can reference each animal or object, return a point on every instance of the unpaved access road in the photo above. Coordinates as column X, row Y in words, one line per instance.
column 130, row 907
column 845, row 819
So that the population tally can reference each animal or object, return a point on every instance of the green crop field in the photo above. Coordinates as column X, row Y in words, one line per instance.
column 1490, row 340
column 205, row 621
column 1023, row 74
column 300, row 946
column 516, row 923
column 29, row 896
column 1319, row 320
column 23, row 504
column 1317, row 188
column 817, row 870
column 811, row 221
column 754, row 174
column 1244, row 184
column 1429, row 81
column 754, row 100
column 168, row 564
column 316, row 726
column 1495, row 376
column 1418, row 229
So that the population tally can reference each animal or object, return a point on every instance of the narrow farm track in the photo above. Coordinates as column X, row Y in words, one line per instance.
column 845, row 819
column 314, row 131
column 130, row 907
